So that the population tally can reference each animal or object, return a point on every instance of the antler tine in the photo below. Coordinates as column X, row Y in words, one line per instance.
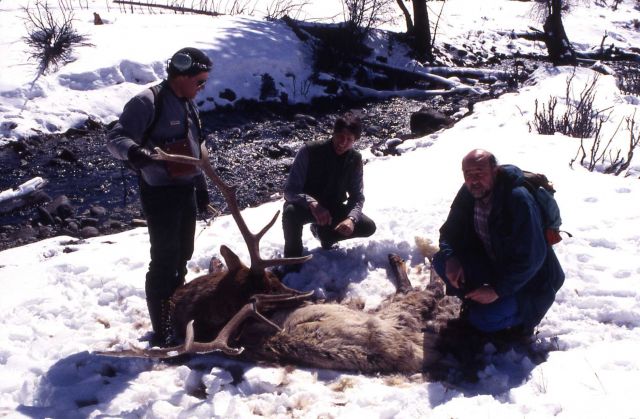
column 229, row 192
column 259, row 302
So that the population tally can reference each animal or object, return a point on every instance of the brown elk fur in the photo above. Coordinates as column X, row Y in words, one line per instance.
column 211, row 300
column 400, row 336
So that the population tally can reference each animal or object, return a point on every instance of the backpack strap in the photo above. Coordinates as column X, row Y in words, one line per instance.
column 193, row 109
column 157, row 111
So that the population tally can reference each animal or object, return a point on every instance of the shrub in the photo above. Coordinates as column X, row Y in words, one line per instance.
column 602, row 158
column 280, row 8
column 366, row 14
column 267, row 87
column 579, row 119
column 51, row 40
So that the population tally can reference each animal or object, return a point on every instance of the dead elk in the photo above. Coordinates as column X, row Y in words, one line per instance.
column 400, row 336
column 202, row 309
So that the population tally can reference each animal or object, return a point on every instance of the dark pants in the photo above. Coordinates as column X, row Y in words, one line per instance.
column 478, row 270
column 171, row 220
column 294, row 217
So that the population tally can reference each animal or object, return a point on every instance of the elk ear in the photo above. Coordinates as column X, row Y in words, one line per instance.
column 231, row 259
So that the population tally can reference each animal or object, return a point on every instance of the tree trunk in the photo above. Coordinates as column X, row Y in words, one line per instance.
column 407, row 16
column 555, row 37
column 421, row 32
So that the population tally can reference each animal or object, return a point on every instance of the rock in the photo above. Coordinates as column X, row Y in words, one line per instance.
column 61, row 206
column 285, row 131
column 114, row 224
column 73, row 227
column 45, row 232
column 98, row 211
column 26, row 234
column 67, row 155
column 45, row 217
column 426, row 121
column 89, row 231
column 88, row 222
column 302, row 121
column 136, row 222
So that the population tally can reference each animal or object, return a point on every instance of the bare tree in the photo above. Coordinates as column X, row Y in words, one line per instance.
column 555, row 37
column 418, row 28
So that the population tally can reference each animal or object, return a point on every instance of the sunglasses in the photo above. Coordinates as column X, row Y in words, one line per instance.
column 201, row 82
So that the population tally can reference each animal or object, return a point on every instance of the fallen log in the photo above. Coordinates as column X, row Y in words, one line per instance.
column 30, row 192
column 169, row 7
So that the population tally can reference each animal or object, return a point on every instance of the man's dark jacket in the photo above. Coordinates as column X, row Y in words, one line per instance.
column 329, row 176
column 525, row 265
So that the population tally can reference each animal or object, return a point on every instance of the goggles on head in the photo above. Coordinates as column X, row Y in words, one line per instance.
column 184, row 63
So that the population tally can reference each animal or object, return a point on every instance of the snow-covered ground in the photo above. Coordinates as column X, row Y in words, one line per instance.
column 63, row 299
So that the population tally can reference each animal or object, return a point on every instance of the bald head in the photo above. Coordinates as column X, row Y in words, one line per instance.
column 479, row 168
column 479, row 156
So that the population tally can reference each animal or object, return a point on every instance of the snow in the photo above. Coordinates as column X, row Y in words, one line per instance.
column 63, row 299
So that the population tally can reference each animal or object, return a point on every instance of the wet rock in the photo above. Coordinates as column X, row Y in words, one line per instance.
column 45, row 216
column 60, row 206
column 285, row 131
column 89, row 231
column 73, row 227
column 98, row 211
column 88, row 222
column 67, row 155
column 25, row 234
column 136, row 222
column 45, row 232
column 426, row 121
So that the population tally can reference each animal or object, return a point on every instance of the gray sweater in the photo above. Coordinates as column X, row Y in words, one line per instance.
column 177, row 120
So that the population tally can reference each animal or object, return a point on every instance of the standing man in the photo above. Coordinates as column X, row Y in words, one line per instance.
column 493, row 253
column 170, row 193
column 325, row 187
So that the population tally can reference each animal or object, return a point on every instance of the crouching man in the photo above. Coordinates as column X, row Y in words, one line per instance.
column 493, row 253
column 325, row 188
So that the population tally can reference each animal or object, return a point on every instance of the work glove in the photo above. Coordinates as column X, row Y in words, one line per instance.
column 139, row 157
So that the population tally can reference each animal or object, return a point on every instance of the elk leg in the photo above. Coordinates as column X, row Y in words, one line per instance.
column 399, row 269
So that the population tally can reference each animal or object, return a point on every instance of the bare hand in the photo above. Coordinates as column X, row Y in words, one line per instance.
column 454, row 273
column 345, row 227
column 320, row 213
column 483, row 295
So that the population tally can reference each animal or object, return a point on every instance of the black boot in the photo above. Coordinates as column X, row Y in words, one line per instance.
column 161, row 315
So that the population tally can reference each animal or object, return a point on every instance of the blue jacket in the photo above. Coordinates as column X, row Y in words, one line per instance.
column 524, row 264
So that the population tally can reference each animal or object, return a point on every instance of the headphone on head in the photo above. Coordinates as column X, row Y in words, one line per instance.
column 183, row 63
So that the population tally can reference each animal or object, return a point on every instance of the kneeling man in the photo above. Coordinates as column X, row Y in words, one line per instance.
column 493, row 253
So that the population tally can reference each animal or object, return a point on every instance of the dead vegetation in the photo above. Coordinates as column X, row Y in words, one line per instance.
column 51, row 38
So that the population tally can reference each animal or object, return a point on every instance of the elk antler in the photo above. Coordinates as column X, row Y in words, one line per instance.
column 259, row 302
column 229, row 192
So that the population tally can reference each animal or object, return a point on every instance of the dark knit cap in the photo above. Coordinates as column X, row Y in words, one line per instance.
column 188, row 62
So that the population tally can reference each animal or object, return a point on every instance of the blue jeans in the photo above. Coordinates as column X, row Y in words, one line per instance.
column 499, row 315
